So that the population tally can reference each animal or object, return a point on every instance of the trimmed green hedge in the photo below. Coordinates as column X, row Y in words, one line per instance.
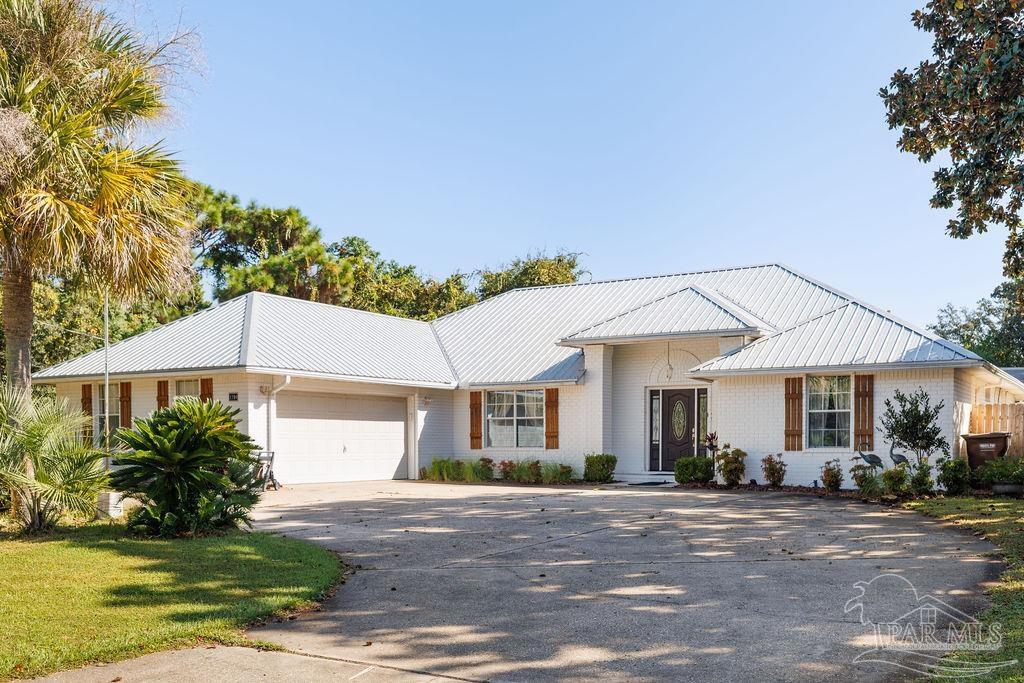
column 695, row 468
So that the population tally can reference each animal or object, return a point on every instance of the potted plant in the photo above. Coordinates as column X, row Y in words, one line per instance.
column 1004, row 475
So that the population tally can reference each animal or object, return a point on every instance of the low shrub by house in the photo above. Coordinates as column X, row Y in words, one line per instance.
column 599, row 467
column 731, row 465
column 555, row 473
column 921, row 482
column 832, row 476
column 774, row 469
column 867, row 480
column 895, row 480
column 954, row 475
column 695, row 469
column 446, row 469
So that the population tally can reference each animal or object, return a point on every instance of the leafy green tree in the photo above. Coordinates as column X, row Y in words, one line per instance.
column 532, row 271
column 386, row 286
column 994, row 329
column 259, row 248
column 911, row 422
column 968, row 101
column 78, row 195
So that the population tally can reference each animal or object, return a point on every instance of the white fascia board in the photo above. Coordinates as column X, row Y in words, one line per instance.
column 525, row 383
column 220, row 370
column 580, row 342
column 348, row 378
column 923, row 365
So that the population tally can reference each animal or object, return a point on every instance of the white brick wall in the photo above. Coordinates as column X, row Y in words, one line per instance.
column 749, row 413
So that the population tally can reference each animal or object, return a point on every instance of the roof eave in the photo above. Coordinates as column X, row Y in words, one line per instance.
column 218, row 369
column 569, row 381
column 918, row 365
column 580, row 342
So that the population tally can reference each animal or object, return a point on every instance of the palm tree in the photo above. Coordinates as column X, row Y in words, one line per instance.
column 77, row 194
column 44, row 460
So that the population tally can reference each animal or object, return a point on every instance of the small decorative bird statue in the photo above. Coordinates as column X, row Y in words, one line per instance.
column 897, row 458
column 871, row 459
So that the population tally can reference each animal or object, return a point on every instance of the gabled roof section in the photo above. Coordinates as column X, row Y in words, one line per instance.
column 849, row 336
column 513, row 337
column 272, row 333
column 691, row 311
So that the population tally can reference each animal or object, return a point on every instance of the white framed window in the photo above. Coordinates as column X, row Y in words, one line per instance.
column 829, row 414
column 113, row 415
column 186, row 387
column 514, row 419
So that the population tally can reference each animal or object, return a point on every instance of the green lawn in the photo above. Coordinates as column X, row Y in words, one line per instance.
column 96, row 593
column 1001, row 520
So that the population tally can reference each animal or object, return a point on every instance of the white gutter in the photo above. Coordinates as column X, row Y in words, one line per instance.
column 968, row 363
column 271, row 393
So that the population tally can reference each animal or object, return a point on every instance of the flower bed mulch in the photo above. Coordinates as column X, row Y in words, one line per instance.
column 851, row 494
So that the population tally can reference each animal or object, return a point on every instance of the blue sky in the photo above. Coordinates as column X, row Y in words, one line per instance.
column 655, row 137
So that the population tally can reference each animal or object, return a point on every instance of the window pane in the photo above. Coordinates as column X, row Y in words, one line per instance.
column 530, row 403
column 655, row 417
column 501, row 433
column 500, row 403
column 186, row 387
column 530, row 433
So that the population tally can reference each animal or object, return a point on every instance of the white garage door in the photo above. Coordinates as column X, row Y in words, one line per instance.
column 338, row 437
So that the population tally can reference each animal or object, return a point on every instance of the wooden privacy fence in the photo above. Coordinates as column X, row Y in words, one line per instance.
column 1000, row 417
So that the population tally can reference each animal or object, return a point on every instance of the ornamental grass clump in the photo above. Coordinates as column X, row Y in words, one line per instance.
column 191, row 469
column 867, row 480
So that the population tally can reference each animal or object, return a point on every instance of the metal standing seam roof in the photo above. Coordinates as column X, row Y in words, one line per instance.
column 513, row 337
column 850, row 335
column 527, row 335
column 279, row 334
column 688, row 311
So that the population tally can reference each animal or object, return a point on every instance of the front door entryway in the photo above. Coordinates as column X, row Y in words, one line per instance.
column 679, row 423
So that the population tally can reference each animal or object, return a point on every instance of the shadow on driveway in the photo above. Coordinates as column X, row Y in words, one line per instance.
column 515, row 583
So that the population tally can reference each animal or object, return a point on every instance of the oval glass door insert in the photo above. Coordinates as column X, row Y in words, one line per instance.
column 678, row 419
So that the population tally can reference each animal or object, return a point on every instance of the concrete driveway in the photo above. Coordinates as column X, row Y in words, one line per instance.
column 508, row 583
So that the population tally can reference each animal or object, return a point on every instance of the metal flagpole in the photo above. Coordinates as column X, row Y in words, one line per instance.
column 106, row 372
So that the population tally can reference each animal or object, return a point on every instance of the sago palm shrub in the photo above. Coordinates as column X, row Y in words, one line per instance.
column 44, row 461
column 190, row 467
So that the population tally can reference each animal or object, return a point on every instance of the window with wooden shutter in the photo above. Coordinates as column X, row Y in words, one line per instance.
column 794, row 435
column 125, row 399
column 864, row 412
column 206, row 389
column 551, row 418
column 87, row 410
column 475, row 420
column 162, row 394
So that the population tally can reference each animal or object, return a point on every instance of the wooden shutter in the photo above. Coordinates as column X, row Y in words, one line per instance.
column 87, row 410
column 206, row 389
column 794, row 414
column 125, row 394
column 475, row 421
column 551, row 418
column 864, row 412
column 162, row 400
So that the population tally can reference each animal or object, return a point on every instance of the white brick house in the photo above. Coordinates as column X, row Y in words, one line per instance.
column 771, row 360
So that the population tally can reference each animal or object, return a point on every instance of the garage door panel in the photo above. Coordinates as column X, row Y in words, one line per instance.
column 338, row 437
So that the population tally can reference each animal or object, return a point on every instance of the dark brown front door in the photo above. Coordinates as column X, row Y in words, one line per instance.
column 677, row 426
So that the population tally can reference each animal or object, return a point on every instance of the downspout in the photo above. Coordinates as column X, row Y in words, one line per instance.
column 271, row 393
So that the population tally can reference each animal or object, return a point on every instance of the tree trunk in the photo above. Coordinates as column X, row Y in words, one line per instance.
column 17, row 316
column 17, row 322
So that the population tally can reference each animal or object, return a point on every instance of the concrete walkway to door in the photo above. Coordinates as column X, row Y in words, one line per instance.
column 515, row 583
